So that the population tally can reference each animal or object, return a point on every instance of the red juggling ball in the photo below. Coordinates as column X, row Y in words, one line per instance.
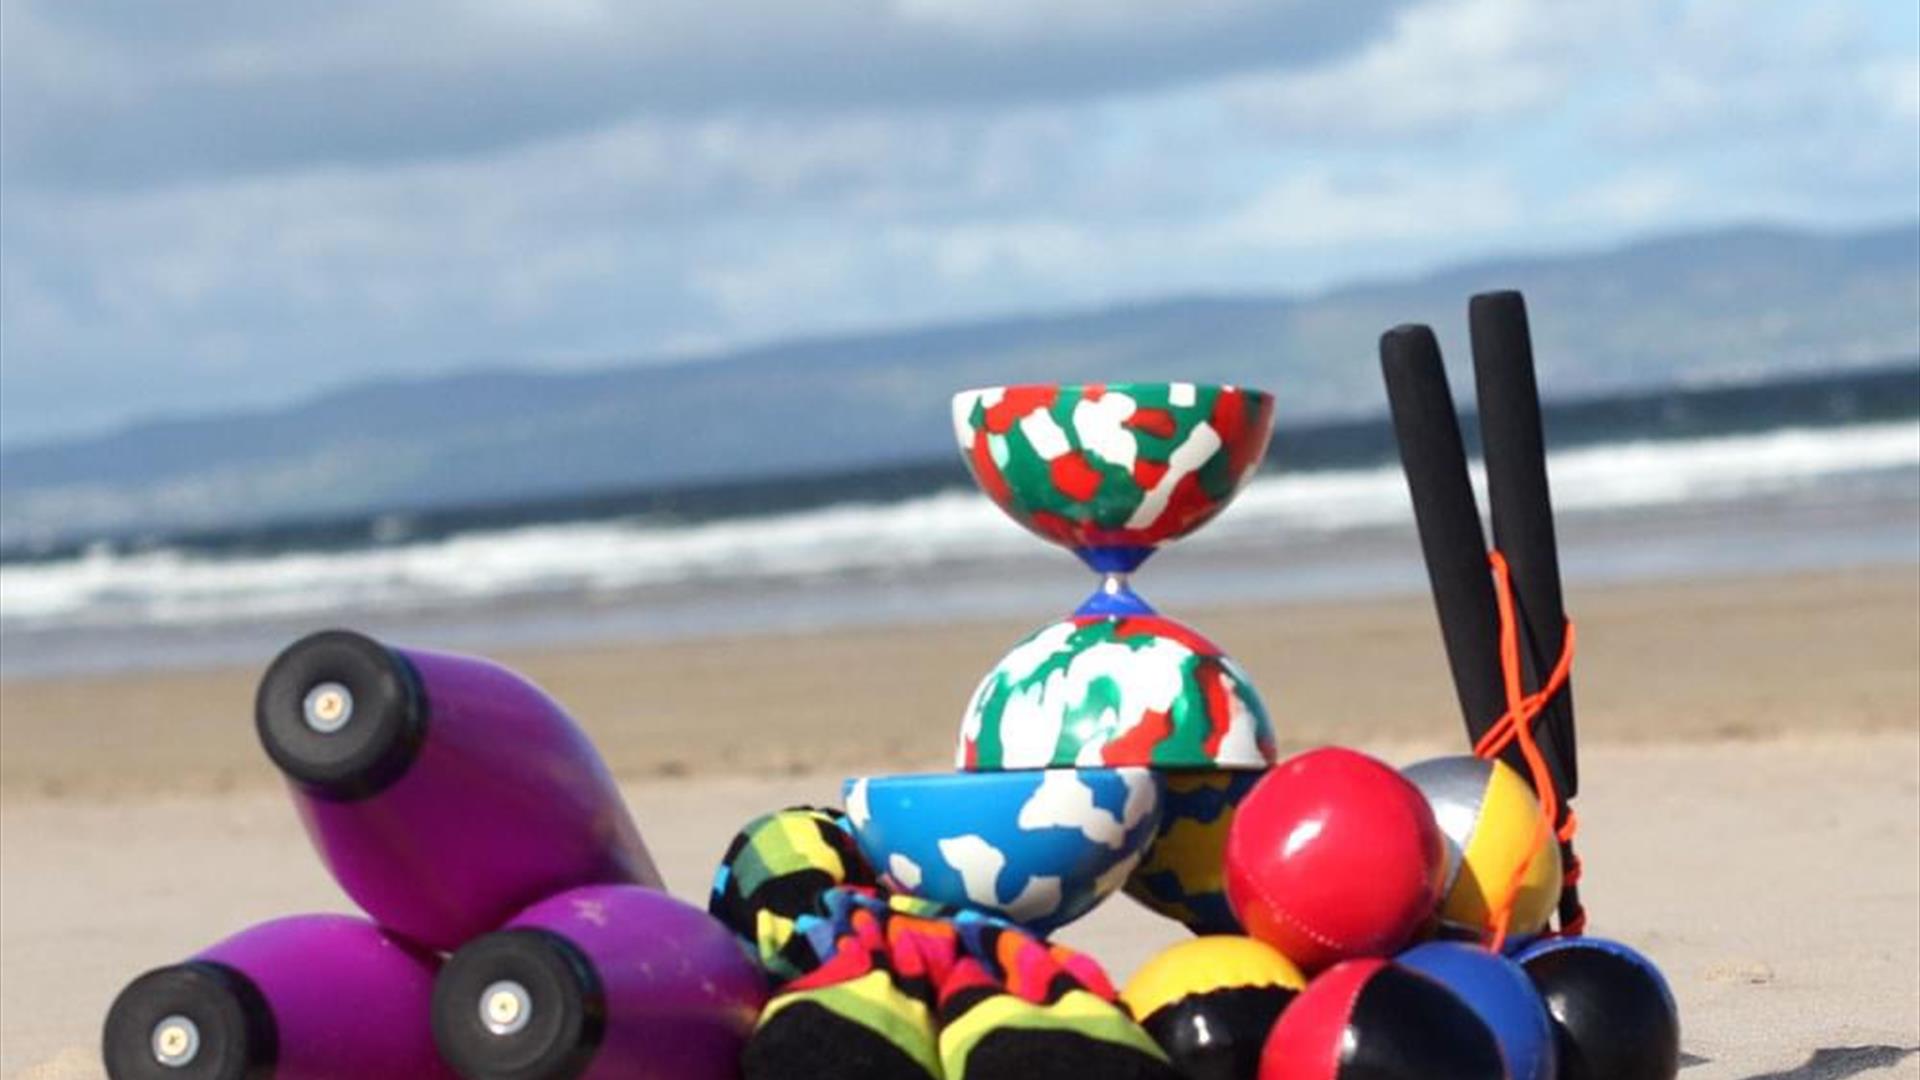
column 1334, row 855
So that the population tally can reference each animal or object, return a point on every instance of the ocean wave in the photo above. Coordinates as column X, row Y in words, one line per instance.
column 173, row 586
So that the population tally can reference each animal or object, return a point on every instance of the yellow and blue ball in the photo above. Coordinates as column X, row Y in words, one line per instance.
column 1210, row 1002
column 1181, row 875
column 1497, row 851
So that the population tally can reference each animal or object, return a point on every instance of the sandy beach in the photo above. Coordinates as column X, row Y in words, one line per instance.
column 1751, row 792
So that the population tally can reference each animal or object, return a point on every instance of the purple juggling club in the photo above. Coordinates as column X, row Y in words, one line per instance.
column 443, row 792
column 307, row 997
column 600, row 982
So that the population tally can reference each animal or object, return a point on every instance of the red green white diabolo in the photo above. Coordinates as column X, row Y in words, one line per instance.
column 1108, row 691
column 1071, row 744
column 1112, row 471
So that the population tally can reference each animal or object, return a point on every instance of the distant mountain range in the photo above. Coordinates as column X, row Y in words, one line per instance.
column 1725, row 306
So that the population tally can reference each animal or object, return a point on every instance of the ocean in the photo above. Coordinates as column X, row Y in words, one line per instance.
column 1791, row 475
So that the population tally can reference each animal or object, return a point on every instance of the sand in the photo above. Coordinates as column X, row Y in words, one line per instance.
column 1714, row 660
column 1751, row 761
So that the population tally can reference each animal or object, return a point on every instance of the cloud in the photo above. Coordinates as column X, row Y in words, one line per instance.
column 169, row 94
column 1636, row 197
column 1895, row 85
column 1642, row 72
column 1312, row 212
column 210, row 205
column 1714, row 69
column 1318, row 207
column 1442, row 65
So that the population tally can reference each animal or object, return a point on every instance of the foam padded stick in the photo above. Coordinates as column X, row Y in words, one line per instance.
column 443, row 792
column 306, row 997
column 1514, row 443
column 602, row 981
column 1435, row 461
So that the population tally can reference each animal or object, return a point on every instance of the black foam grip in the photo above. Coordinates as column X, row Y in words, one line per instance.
column 1514, row 442
column 1435, row 461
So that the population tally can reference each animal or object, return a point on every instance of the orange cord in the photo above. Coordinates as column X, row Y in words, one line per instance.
column 1516, row 725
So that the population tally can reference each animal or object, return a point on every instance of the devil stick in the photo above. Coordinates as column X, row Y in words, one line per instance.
column 1454, row 548
column 1449, row 522
column 1514, row 443
column 1515, row 447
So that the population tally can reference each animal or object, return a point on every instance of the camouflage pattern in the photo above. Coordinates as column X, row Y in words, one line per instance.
column 1041, row 847
column 1117, row 466
column 1103, row 691
column 1181, row 875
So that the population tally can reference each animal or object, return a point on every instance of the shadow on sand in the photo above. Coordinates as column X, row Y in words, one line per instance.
column 1839, row 1062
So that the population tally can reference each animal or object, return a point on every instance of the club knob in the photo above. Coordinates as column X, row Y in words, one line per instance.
column 340, row 714
column 193, row 1021
column 520, row 1002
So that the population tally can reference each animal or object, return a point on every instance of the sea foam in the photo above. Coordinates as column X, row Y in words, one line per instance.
column 171, row 586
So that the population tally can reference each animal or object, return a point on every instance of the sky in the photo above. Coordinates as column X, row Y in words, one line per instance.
column 209, row 205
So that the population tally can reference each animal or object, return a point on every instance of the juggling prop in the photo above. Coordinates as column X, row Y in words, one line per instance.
column 900, row 988
column 1499, row 993
column 1500, row 854
column 600, row 981
column 1510, row 648
column 857, row 969
column 304, row 997
column 1377, row 1020
column 443, row 792
column 1506, row 632
column 1513, row 441
column 1115, row 690
column 865, row 1026
column 1613, row 1014
column 1041, row 846
column 1211, row 1001
column 1334, row 856
column 905, row 939
column 867, row 1004
column 1050, row 1028
column 1181, row 875
column 1111, row 472
column 773, row 875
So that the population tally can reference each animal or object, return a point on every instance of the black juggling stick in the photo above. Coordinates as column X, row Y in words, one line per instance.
column 1444, row 510
column 1514, row 444
column 1513, row 440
